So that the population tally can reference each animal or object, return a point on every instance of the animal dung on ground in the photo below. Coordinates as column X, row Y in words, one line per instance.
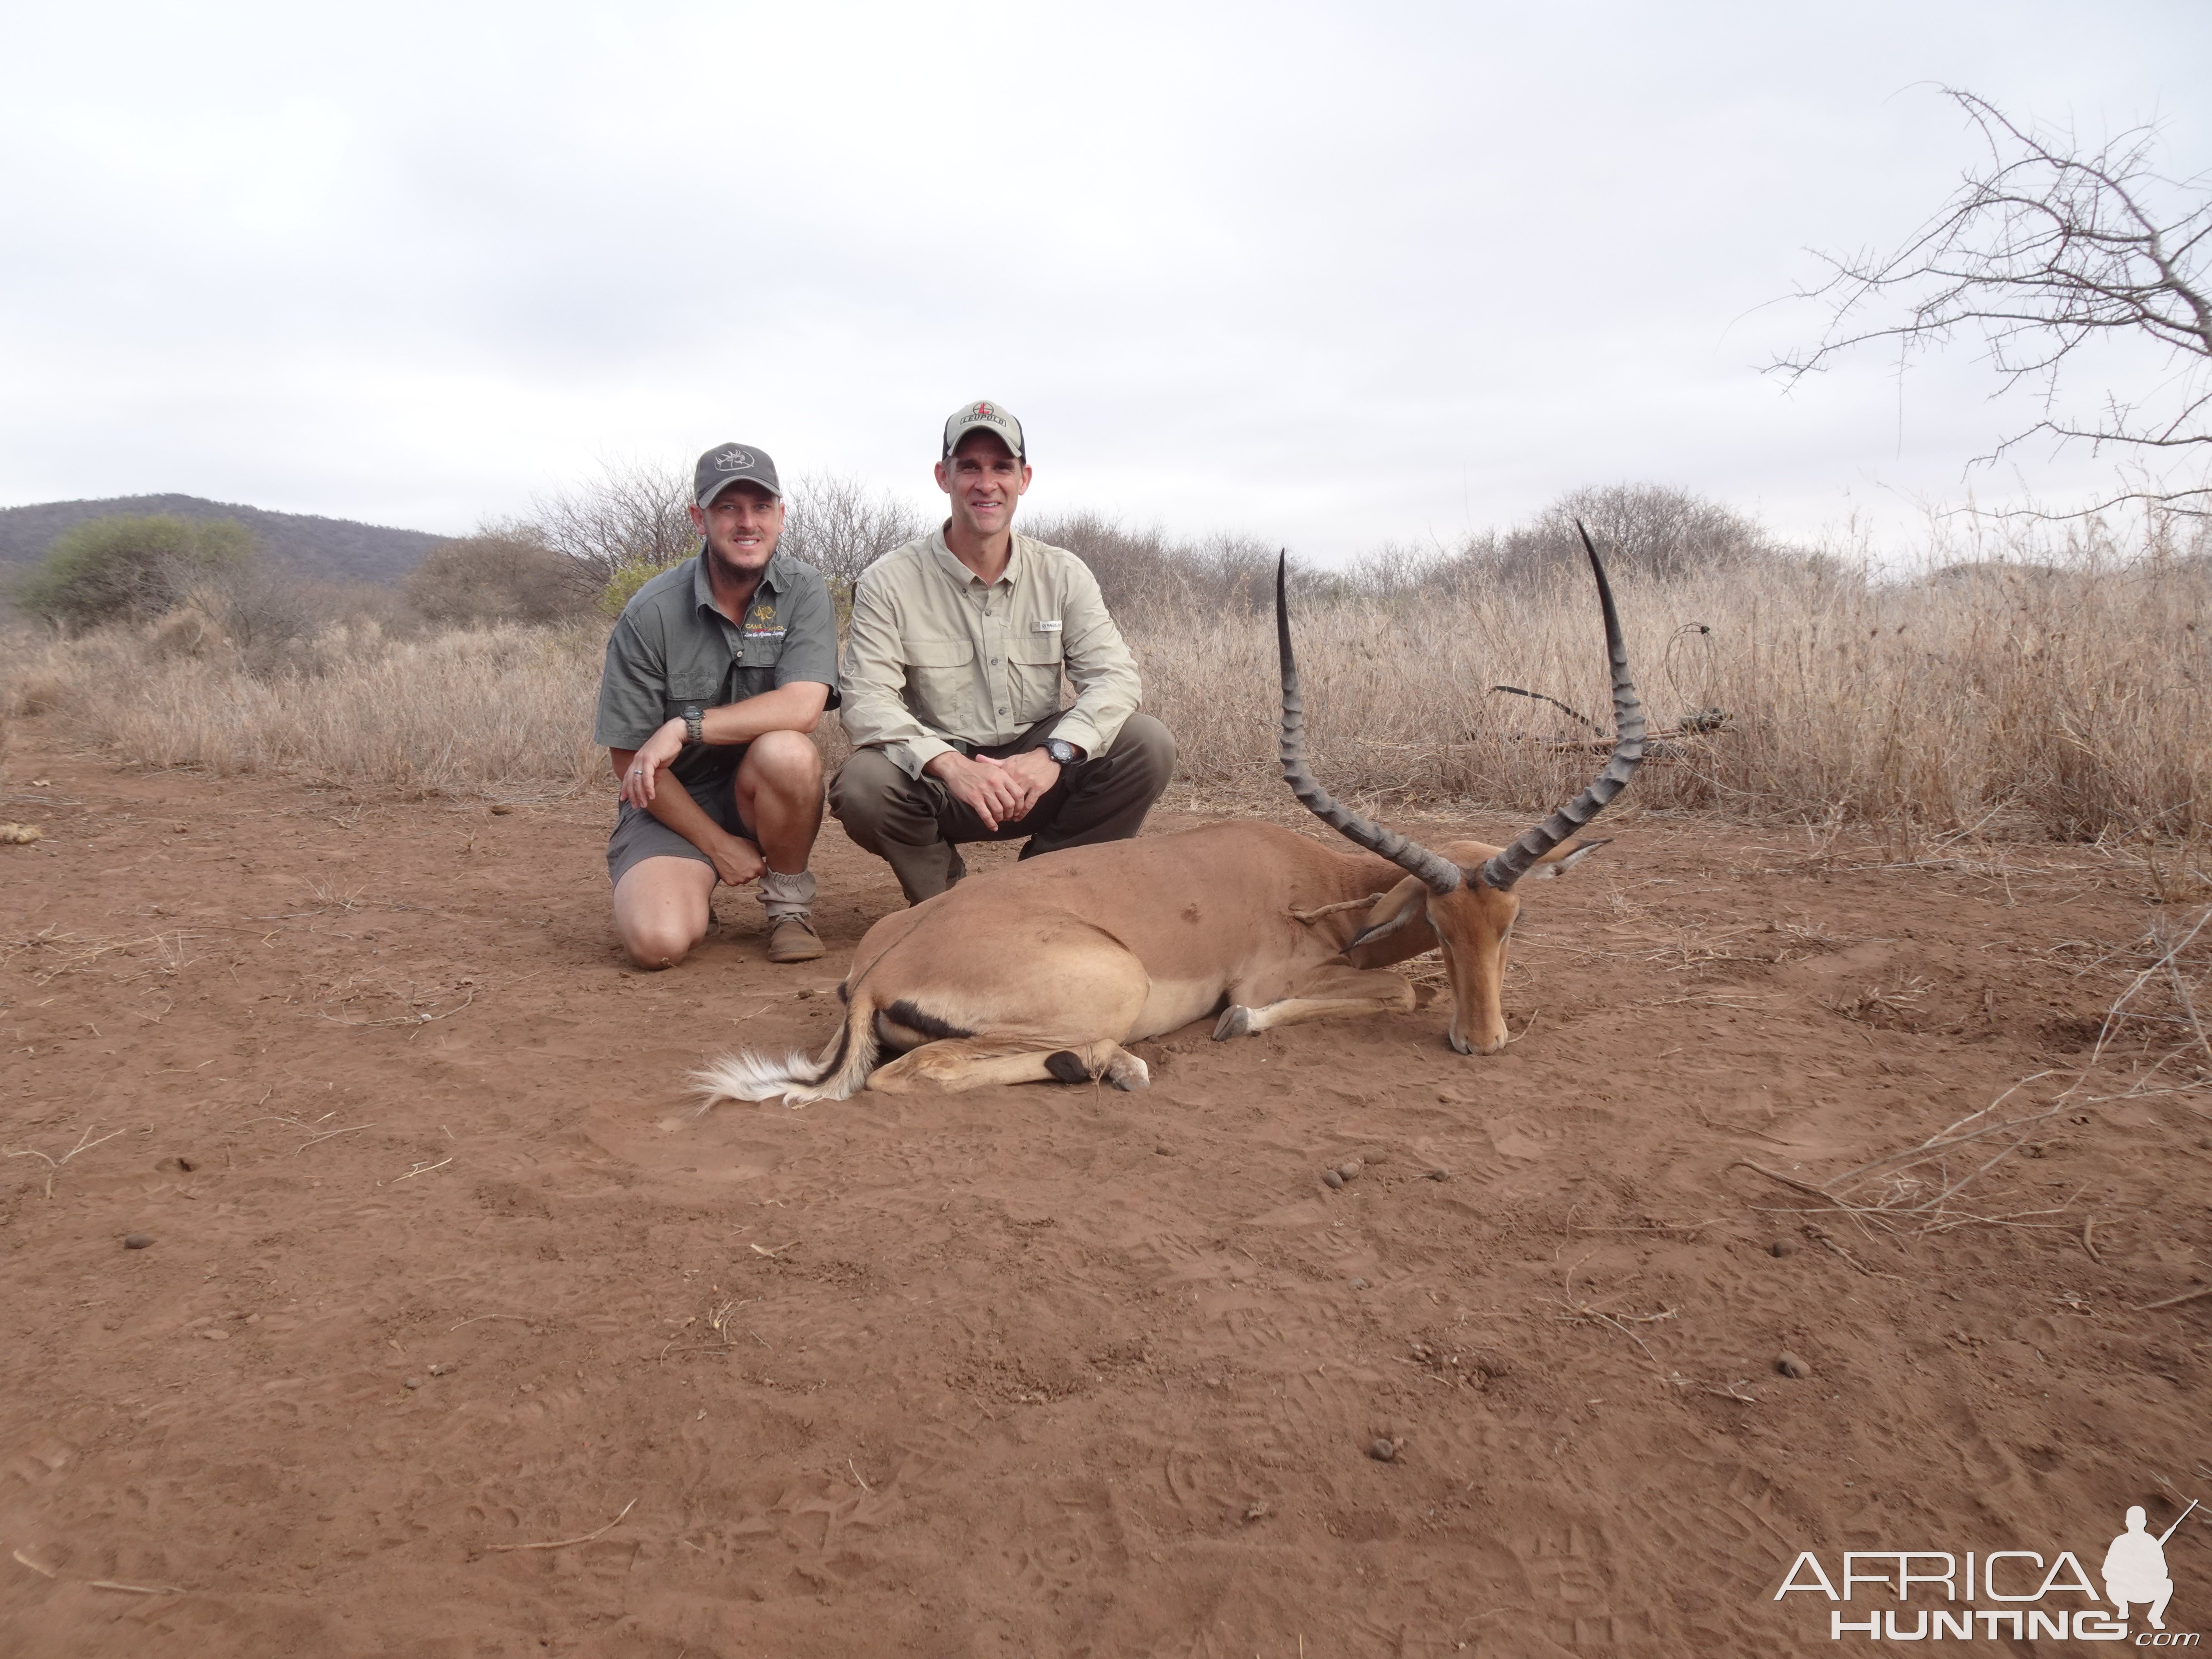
column 1384, row 1451
column 1783, row 1247
column 1349, row 1171
column 412, row 1383
column 499, row 809
column 19, row 835
column 1790, row 1365
column 1331, row 1178
column 137, row 1241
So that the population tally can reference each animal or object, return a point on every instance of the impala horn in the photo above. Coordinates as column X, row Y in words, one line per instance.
column 1441, row 874
column 1503, row 869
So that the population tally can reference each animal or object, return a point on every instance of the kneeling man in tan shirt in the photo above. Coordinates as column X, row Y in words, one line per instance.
column 952, row 685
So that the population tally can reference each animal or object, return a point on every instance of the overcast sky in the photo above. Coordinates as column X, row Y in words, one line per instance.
column 1332, row 275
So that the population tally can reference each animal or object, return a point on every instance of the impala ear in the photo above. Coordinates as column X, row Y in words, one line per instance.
column 1560, row 859
column 1397, row 926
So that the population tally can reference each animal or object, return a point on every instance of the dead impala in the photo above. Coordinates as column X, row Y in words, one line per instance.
column 1048, row 968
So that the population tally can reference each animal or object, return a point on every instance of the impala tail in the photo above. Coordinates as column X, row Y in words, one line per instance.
column 842, row 1070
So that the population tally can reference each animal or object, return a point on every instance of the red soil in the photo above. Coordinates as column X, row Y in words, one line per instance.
column 1043, row 1370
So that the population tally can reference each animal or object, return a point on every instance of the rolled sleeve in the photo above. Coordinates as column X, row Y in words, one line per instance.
column 810, row 638
column 875, row 712
column 631, row 706
column 1099, row 665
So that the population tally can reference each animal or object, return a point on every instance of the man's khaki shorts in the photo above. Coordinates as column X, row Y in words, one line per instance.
column 638, row 836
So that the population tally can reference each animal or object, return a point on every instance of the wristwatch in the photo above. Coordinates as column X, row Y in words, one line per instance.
column 1062, row 753
column 695, row 725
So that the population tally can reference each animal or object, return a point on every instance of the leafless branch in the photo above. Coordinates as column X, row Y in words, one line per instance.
column 2047, row 246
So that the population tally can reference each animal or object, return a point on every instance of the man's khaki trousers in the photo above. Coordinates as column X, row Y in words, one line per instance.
column 915, row 826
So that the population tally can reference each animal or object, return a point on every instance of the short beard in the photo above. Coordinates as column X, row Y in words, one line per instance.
column 719, row 568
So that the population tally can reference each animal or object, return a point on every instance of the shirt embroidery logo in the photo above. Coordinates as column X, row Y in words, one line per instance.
column 1050, row 625
column 760, row 622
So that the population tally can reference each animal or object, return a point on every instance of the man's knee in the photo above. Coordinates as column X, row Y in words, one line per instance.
column 1146, row 749
column 657, row 941
column 656, row 949
column 786, row 762
column 868, row 788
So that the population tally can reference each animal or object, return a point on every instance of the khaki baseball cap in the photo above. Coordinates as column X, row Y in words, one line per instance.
column 986, row 417
column 728, row 463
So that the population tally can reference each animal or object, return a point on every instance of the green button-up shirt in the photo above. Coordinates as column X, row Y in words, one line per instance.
column 671, row 650
column 935, row 657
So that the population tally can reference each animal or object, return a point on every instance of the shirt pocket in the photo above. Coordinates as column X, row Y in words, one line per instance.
column 940, row 678
column 690, row 691
column 1034, row 662
column 761, row 650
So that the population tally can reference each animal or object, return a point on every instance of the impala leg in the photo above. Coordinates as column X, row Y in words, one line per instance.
column 957, row 1063
column 1328, row 990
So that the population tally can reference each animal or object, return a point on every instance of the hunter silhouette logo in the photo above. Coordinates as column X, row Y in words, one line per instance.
column 2032, row 1591
column 2135, row 1567
column 733, row 460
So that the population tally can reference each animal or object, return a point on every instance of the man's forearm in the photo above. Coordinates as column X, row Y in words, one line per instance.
column 794, row 708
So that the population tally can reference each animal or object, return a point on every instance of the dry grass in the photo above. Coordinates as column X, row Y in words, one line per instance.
column 2079, row 704
column 2076, row 705
column 464, row 710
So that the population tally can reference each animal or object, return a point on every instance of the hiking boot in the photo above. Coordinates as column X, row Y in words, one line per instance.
column 793, row 938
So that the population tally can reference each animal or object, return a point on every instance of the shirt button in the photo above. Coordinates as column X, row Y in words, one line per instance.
column 1002, row 711
column 994, row 662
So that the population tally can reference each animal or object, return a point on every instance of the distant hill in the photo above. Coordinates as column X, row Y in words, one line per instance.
column 332, row 549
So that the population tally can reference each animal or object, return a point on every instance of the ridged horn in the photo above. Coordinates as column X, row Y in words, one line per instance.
column 1508, row 866
column 1441, row 874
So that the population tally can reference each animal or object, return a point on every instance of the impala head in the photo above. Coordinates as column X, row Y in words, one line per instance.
column 1462, row 899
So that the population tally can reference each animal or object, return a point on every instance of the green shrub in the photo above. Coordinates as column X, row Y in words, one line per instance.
column 125, row 568
column 629, row 576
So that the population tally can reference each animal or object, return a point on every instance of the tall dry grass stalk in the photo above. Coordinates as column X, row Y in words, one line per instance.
column 2075, row 704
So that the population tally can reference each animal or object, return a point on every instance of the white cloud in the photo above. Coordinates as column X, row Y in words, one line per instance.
column 1332, row 275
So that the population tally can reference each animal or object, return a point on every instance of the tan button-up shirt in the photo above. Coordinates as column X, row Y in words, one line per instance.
column 935, row 658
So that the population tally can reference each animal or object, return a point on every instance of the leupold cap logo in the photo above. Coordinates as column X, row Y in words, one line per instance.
column 733, row 460
column 987, row 411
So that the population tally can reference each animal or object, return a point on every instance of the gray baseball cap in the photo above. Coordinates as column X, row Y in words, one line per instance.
column 728, row 463
column 986, row 417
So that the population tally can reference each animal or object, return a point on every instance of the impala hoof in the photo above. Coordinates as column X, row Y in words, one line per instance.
column 1235, row 1021
column 1126, row 1071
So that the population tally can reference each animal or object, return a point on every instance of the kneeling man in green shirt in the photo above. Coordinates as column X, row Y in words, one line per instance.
column 952, row 685
column 716, row 673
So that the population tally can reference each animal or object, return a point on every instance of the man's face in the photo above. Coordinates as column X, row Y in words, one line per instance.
column 984, row 481
column 741, row 526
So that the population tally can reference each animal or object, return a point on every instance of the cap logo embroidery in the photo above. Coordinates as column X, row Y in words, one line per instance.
column 732, row 460
column 987, row 411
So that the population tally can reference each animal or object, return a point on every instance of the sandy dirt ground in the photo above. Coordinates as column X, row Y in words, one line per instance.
column 458, row 1333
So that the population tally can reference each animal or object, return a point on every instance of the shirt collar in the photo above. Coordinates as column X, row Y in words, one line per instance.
column 772, row 579
column 962, row 576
